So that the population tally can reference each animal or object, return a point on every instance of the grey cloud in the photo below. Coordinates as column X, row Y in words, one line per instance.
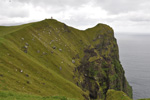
column 9, row 23
column 140, row 18
column 13, row 10
column 122, row 6
column 81, row 21
column 112, row 6
column 12, row 13
column 56, row 3
column 53, row 6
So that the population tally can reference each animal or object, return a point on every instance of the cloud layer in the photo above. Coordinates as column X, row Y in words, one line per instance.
column 122, row 15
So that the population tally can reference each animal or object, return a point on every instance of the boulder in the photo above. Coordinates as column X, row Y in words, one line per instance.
column 27, row 44
column 54, row 47
column 21, row 71
column 73, row 61
column 1, row 75
column 28, row 82
column 60, row 49
column 27, row 75
column 26, row 51
column 26, row 47
column 38, row 51
column 60, row 68
column 22, row 39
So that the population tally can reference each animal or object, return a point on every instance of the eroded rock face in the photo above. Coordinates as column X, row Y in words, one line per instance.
column 100, row 68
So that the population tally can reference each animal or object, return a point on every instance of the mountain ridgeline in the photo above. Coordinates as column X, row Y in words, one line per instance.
column 49, row 58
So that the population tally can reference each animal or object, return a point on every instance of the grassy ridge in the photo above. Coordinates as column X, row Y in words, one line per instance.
column 42, row 70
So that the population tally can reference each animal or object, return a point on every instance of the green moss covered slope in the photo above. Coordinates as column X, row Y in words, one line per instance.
column 116, row 95
column 49, row 58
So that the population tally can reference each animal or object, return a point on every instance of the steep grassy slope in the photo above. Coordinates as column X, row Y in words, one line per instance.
column 48, row 58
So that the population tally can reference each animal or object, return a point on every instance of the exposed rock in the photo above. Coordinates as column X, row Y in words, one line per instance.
column 26, row 51
column 22, row 39
column 54, row 47
column 52, row 52
column 27, row 75
column 26, row 47
column 27, row 44
column 21, row 71
column 77, row 56
column 28, row 82
column 52, row 41
column 73, row 61
column 99, row 36
column 38, row 51
column 60, row 68
column 1, row 75
column 85, row 74
column 44, row 53
column 60, row 49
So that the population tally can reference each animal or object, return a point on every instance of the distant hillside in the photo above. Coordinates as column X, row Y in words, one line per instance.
column 49, row 58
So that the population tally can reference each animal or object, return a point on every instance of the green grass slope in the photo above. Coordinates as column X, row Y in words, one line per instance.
column 42, row 70
column 19, row 96
column 49, row 58
column 116, row 95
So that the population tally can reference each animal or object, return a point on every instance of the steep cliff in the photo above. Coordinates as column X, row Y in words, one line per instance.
column 100, row 68
column 49, row 58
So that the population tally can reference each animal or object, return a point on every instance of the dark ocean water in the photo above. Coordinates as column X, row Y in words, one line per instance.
column 134, row 51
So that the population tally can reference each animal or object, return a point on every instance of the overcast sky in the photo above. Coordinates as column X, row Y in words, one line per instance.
column 124, row 16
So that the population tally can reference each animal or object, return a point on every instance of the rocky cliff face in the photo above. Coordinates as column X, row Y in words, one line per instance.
column 100, row 68
column 49, row 58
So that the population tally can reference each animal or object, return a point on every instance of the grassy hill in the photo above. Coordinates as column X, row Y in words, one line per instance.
column 49, row 58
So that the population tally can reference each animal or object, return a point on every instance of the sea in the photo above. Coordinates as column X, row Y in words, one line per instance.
column 134, row 52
